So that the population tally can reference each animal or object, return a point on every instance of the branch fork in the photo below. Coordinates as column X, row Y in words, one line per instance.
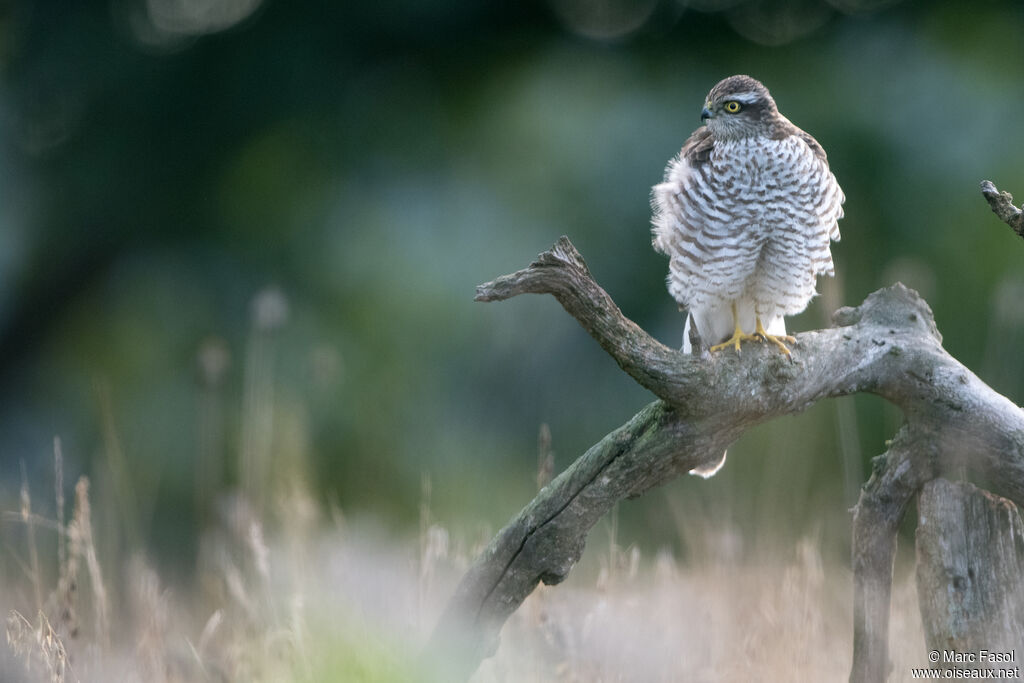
column 889, row 345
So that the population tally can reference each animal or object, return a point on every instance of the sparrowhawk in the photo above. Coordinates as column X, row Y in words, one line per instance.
column 745, row 214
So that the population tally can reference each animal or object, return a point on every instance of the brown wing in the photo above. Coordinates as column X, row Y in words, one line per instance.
column 818, row 150
column 783, row 128
column 698, row 147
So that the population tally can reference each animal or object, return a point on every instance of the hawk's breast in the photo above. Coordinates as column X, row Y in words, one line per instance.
column 714, row 218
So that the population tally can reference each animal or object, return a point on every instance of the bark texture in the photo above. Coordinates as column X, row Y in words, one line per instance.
column 970, row 573
column 888, row 346
column 1002, row 205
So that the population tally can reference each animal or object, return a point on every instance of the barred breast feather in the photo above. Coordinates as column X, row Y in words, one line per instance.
column 748, row 222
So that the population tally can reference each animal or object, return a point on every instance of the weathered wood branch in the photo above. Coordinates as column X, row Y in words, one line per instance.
column 896, row 476
column 889, row 346
column 1002, row 206
column 561, row 272
column 970, row 573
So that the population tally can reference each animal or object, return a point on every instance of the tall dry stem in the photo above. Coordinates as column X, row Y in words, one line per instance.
column 83, row 527
column 30, row 530
column 58, row 488
column 269, row 312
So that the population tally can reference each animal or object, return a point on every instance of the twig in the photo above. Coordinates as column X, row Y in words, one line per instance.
column 1002, row 205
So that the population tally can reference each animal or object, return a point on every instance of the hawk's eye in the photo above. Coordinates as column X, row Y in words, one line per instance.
column 732, row 106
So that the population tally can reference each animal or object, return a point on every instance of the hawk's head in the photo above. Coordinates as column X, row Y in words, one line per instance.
column 738, row 107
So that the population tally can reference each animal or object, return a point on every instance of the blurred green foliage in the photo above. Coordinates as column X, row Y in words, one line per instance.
column 373, row 162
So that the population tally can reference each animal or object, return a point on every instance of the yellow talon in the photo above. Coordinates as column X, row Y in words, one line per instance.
column 774, row 339
column 735, row 340
column 760, row 334
column 737, row 335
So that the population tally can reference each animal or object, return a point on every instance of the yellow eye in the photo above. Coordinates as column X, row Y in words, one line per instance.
column 732, row 106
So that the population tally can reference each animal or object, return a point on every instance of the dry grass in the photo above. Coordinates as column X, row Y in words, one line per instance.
column 751, row 622
column 141, row 632
column 326, row 602
column 333, row 601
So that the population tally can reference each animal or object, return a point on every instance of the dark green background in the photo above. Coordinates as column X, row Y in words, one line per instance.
column 376, row 161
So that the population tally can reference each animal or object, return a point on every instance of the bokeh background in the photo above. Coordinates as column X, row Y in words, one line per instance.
column 239, row 241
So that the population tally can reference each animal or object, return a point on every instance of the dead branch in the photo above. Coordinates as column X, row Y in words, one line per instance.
column 888, row 346
column 1002, row 206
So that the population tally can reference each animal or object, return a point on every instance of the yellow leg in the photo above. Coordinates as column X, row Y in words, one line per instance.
column 737, row 335
column 774, row 339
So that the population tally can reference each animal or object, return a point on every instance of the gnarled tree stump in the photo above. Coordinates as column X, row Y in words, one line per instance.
column 970, row 576
column 888, row 346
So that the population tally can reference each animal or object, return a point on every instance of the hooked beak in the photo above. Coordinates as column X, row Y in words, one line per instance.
column 705, row 114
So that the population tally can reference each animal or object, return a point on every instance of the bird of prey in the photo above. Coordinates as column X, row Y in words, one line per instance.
column 746, row 213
